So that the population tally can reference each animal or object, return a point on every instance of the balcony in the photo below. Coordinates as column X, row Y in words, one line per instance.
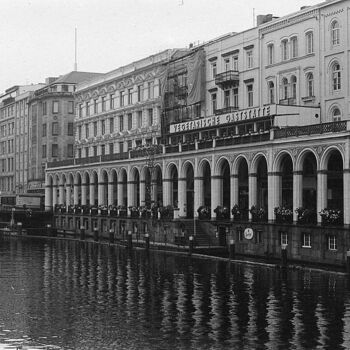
column 226, row 110
column 228, row 78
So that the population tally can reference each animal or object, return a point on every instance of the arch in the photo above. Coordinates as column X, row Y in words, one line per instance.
column 103, row 187
column 173, row 176
column 335, row 32
column 189, row 177
column 157, row 181
column 285, row 170
column 204, row 172
column 113, row 180
column 123, row 194
column 223, row 167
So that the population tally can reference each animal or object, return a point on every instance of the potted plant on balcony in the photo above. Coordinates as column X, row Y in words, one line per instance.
column 236, row 212
column 134, row 211
column 203, row 212
column 122, row 212
column 331, row 216
column 283, row 214
column 103, row 209
column 305, row 216
column 258, row 214
column 94, row 210
column 222, row 212
column 113, row 210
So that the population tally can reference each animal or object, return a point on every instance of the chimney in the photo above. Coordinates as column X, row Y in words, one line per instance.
column 261, row 19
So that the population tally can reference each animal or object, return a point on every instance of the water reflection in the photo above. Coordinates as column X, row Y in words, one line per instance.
column 85, row 296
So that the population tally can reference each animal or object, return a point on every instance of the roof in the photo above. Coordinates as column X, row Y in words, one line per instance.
column 75, row 77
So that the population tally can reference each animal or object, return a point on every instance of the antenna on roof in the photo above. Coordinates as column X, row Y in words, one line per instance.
column 75, row 51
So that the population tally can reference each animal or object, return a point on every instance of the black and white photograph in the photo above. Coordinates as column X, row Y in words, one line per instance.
column 174, row 174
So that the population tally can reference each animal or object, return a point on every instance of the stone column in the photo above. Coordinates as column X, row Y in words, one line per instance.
column 76, row 194
column 216, row 194
column 110, row 193
column 68, row 195
column 234, row 191
column 83, row 193
column 48, row 197
column 142, row 193
column 182, row 196
column 252, row 191
column 154, row 191
column 101, row 193
column 120, row 198
column 297, row 192
column 61, row 194
column 273, row 180
column 321, row 192
column 131, row 193
column 54, row 195
column 346, row 211
column 198, row 194
column 167, row 197
column 92, row 194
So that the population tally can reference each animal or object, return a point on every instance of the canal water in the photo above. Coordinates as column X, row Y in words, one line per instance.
column 71, row 295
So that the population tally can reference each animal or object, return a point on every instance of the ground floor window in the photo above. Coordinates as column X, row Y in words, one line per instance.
column 258, row 236
column 284, row 238
column 332, row 242
column 306, row 240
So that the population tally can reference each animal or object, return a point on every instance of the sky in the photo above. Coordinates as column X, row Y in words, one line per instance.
column 37, row 37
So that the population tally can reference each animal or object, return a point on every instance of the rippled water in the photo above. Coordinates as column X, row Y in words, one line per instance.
column 84, row 296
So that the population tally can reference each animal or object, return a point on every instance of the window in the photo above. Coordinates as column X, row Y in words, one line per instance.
column 54, row 128
column 70, row 107
column 95, row 151
column 150, row 88
column 111, row 125
column 95, row 128
column 80, row 110
column 335, row 33
column 111, row 101
column 129, row 121
column 235, row 63
column 64, row 88
column 271, row 90
column 227, row 64
column 111, row 148
column 306, row 240
column 270, row 54
column 284, row 50
column 70, row 129
column 250, row 95
column 44, row 150
column 103, row 102
column 332, row 242
column 235, row 98
column 284, row 238
column 294, row 47
column 44, row 108
column 103, row 127
column 121, row 98
column 250, row 59
column 150, row 116
column 129, row 145
column 70, row 150
column 309, row 38
column 336, row 114
column 213, row 70
column 139, row 93
column 79, row 132
column 129, row 96
column 95, row 107
column 121, row 147
column 87, row 131
column 121, row 123
column 103, row 150
column 310, row 85
column 213, row 103
column 86, row 152
column 293, row 82
column 79, row 153
column 44, row 130
column 139, row 119
column 55, row 107
column 336, row 77
column 87, row 108
column 227, row 98
column 284, row 88
column 54, row 150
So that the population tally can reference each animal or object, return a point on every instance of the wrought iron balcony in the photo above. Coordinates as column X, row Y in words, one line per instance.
column 225, row 110
column 230, row 77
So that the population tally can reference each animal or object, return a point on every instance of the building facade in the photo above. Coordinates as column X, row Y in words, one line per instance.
column 51, row 125
column 267, row 144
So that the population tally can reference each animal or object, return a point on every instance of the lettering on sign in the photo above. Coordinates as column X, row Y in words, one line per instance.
column 245, row 114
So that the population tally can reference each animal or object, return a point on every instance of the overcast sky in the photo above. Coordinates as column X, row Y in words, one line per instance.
column 37, row 36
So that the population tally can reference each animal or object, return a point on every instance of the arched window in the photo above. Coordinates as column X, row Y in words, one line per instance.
column 284, row 88
column 310, row 85
column 284, row 50
column 335, row 33
column 293, row 82
column 271, row 89
column 336, row 77
column 336, row 114
column 309, row 39
column 294, row 47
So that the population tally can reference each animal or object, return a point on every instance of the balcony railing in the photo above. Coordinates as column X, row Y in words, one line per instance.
column 226, row 110
column 310, row 129
column 227, row 78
